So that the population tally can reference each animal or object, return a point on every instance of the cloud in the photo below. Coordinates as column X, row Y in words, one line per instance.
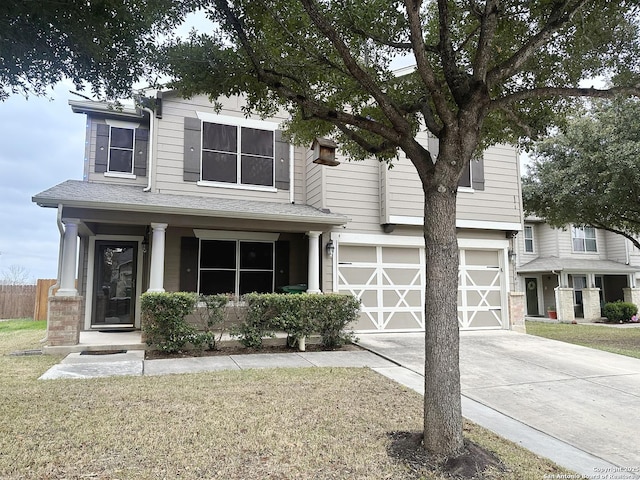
column 42, row 145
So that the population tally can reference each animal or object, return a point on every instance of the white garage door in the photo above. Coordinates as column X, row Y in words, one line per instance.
column 389, row 281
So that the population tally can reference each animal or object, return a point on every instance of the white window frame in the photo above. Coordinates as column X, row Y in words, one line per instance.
column 583, row 239
column 529, row 238
column 239, row 123
column 130, row 126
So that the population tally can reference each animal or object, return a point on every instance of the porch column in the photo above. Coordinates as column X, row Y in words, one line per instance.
column 564, row 304
column 313, row 281
column 632, row 295
column 156, row 276
column 69, row 255
column 591, row 304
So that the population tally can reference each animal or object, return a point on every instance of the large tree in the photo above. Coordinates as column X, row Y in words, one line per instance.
column 588, row 173
column 104, row 43
column 485, row 72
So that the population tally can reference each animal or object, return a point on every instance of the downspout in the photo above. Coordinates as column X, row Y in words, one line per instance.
column 150, row 149
column 57, row 284
column 291, row 173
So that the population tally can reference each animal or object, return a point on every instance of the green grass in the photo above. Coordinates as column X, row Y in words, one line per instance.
column 623, row 341
column 282, row 423
column 21, row 325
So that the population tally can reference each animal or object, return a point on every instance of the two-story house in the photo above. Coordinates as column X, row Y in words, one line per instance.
column 191, row 198
column 574, row 269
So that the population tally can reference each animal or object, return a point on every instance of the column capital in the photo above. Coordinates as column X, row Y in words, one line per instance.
column 159, row 226
column 71, row 221
column 314, row 234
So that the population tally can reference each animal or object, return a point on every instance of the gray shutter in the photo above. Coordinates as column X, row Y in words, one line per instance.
column 477, row 173
column 102, row 147
column 192, row 147
column 141, row 152
column 189, row 264
column 282, row 162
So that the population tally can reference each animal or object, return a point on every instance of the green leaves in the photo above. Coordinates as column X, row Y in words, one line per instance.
column 589, row 173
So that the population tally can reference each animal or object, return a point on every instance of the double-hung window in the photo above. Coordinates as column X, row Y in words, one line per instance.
column 528, row 239
column 584, row 239
column 237, row 154
column 236, row 266
column 121, row 148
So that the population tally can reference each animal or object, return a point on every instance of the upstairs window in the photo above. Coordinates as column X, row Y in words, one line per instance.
column 237, row 154
column 584, row 239
column 528, row 239
column 121, row 143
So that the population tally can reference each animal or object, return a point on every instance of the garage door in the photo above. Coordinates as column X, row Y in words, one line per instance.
column 389, row 282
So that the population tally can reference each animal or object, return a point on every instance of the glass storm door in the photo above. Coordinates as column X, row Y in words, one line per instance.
column 114, row 291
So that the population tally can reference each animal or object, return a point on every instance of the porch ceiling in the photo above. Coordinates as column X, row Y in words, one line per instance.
column 555, row 264
column 125, row 198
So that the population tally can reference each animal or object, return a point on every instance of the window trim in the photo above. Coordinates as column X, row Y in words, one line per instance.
column 240, row 122
column 130, row 126
column 531, row 238
column 238, row 270
column 583, row 239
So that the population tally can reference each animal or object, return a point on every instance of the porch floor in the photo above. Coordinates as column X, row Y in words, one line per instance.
column 97, row 341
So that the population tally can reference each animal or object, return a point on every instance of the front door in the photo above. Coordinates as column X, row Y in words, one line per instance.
column 114, row 284
column 532, row 296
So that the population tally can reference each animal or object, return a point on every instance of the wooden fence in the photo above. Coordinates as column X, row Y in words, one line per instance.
column 25, row 301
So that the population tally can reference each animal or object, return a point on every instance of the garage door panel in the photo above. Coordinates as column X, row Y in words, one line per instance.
column 390, row 283
column 409, row 256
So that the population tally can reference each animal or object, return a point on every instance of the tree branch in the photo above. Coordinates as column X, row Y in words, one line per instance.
column 550, row 92
column 488, row 24
column 560, row 16
column 626, row 235
column 424, row 69
column 384, row 102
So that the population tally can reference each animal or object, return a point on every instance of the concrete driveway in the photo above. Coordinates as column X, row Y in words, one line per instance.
column 585, row 398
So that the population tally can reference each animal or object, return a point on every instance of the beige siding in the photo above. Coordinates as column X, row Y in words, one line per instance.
column 525, row 257
column 498, row 202
column 616, row 247
column 90, row 160
column 547, row 240
column 314, row 175
column 168, row 166
column 565, row 246
column 353, row 189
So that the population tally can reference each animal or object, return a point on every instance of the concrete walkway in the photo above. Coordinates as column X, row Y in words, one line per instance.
column 577, row 406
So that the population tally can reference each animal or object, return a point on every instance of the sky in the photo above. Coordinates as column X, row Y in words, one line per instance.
column 41, row 145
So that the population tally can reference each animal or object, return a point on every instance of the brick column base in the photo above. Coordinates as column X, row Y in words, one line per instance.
column 63, row 322
column 564, row 304
column 591, row 304
column 516, row 312
column 632, row 295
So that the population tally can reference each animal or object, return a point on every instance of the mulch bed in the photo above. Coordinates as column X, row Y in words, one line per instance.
column 240, row 350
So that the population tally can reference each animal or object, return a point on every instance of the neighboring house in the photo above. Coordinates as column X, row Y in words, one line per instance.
column 212, row 201
column 574, row 269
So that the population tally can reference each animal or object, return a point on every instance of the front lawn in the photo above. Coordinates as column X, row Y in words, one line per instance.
column 624, row 341
column 284, row 423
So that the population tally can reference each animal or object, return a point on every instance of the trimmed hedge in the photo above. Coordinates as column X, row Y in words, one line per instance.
column 619, row 311
column 299, row 316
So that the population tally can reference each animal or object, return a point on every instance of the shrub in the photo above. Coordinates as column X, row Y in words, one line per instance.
column 163, row 320
column 212, row 314
column 619, row 311
column 333, row 314
column 299, row 316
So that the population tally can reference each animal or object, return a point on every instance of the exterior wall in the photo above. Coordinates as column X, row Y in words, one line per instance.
column 90, row 163
column 498, row 202
column 169, row 151
column 616, row 247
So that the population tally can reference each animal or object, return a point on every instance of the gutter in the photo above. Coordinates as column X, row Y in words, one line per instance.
column 150, row 148
column 291, row 179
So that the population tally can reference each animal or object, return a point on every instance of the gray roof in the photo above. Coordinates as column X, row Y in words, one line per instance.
column 555, row 264
column 129, row 198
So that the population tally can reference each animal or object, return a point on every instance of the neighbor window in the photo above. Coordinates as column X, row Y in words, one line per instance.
column 465, row 178
column 237, row 154
column 121, row 145
column 584, row 239
column 236, row 266
column 528, row 239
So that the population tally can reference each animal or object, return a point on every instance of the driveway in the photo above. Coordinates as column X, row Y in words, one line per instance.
column 586, row 398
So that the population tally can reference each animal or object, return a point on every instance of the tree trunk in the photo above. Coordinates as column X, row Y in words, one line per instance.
column 442, row 403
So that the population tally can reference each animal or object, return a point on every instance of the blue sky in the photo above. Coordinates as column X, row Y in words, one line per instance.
column 42, row 144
